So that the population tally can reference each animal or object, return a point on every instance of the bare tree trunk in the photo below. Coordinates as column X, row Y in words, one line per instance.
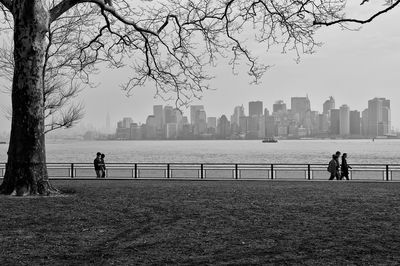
column 26, row 171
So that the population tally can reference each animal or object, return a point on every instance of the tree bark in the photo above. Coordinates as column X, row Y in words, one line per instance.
column 26, row 171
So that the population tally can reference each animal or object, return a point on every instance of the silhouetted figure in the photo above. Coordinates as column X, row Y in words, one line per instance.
column 103, row 166
column 338, row 175
column 97, row 165
column 345, row 167
column 332, row 167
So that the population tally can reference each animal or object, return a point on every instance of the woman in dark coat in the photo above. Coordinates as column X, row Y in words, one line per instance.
column 345, row 167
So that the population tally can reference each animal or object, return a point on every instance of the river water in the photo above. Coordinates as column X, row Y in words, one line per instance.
column 222, row 151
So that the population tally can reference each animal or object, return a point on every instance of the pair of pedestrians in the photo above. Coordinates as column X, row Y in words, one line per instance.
column 337, row 170
column 99, row 165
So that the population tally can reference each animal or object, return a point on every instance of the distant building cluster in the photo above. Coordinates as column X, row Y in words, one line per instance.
column 300, row 121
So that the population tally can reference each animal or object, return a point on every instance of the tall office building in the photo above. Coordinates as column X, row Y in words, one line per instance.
column 279, row 106
column 171, row 130
column 200, row 125
column 335, row 122
column 323, row 123
column 378, row 117
column 386, row 120
column 299, row 106
column 223, row 128
column 126, row 122
column 158, row 113
column 243, row 124
column 212, row 122
column 328, row 105
column 136, row 132
column 150, row 131
column 238, row 112
column 256, row 108
column 194, row 111
column 364, row 122
column 344, row 119
column 355, row 123
column 169, row 115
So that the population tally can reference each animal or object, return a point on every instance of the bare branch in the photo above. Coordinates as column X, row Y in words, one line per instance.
column 344, row 20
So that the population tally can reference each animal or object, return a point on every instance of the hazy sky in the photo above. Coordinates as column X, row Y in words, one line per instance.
column 351, row 66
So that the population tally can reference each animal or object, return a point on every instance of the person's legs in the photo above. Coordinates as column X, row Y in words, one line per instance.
column 98, row 173
column 345, row 175
column 103, row 174
column 338, row 176
column 332, row 176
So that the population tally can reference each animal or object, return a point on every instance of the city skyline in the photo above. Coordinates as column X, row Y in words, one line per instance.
column 295, row 121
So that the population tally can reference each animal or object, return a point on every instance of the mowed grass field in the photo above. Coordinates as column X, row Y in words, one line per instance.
column 137, row 222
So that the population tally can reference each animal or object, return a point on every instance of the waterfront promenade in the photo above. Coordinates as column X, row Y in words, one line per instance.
column 219, row 171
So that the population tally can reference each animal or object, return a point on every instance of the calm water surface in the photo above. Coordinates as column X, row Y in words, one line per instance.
column 222, row 151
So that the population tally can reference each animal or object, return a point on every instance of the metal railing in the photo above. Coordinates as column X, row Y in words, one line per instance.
column 218, row 171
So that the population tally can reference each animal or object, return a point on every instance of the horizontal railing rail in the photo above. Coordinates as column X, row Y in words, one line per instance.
column 259, row 171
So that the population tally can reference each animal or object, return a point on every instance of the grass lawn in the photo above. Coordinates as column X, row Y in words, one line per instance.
column 211, row 222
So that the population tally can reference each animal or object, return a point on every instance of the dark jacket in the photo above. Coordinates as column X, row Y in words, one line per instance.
column 345, row 167
column 97, row 164
column 332, row 168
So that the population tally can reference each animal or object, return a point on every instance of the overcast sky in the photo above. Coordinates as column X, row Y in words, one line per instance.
column 351, row 66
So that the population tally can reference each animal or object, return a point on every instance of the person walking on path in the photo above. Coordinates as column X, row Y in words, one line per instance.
column 338, row 175
column 345, row 167
column 103, row 166
column 332, row 167
column 97, row 165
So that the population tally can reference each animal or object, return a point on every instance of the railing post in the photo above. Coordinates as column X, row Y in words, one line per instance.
column 236, row 171
column 272, row 171
column 72, row 170
column 309, row 172
column 136, row 173
column 168, row 176
column 201, row 171
column 387, row 172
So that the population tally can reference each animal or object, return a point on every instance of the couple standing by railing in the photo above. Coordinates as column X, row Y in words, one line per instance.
column 337, row 170
column 99, row 165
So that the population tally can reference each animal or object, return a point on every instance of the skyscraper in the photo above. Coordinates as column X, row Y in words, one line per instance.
column 158, row 116
column 300, row 105
column 328, row 105
column 126, row 122
column 335, row 122
column 355, row 123
column 194, row 111
column 256, row 108
column 223, row 128
column 364, row 122
column 279, row 106
column 169, row 115
column 344, row 120
column 238, row 112
column 378, row 117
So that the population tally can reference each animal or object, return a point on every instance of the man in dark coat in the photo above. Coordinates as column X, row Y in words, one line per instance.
column 338, row 175
column 332, row 167
column 97, row 165
column 345, row 167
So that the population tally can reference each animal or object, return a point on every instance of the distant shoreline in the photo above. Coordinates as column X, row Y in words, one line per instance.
column 279, row 139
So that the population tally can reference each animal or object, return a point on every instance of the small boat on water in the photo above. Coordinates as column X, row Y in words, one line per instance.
column 269, row 140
